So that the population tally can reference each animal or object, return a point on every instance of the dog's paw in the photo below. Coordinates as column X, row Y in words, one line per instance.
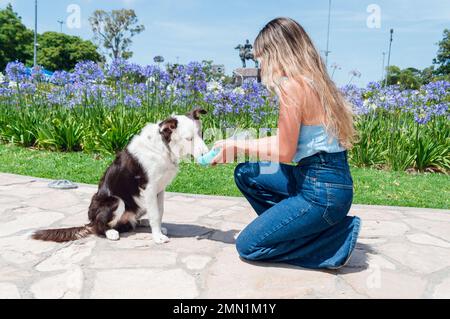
column 112, row 234
column 164, row 230
column 161, row 239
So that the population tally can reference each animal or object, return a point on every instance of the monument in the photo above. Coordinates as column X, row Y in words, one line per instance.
column 244, row 73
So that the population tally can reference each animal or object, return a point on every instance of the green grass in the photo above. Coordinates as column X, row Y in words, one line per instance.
column 372, row 187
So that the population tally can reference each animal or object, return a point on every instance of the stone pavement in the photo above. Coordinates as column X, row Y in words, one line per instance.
column 402, row 253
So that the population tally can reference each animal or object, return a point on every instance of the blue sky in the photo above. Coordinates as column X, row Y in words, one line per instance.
column 210, row 29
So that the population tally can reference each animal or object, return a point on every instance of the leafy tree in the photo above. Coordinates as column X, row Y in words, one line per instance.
column 59, row 51
column 409, row 78
column 212, row 73
column 114, row 30
column 15, row 39
column 443, row 56
column 428, row 74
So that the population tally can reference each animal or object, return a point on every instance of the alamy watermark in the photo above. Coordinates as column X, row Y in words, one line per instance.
column 73, row 20
column 374, row 19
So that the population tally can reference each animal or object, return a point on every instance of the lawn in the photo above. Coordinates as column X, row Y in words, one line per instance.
column 372, row 187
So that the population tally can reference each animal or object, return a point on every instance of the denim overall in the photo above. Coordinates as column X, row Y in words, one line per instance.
column 302, row 209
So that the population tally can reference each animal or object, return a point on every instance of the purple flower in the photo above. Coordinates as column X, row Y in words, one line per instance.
column 16, row 71
column 132, row 101
column 27, row 88
column 60, row 78
column 88, row 71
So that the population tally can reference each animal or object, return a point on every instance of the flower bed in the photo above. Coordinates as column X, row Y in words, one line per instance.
column 98, row 109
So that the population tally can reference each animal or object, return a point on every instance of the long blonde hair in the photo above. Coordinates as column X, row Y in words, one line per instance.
column 285, row 49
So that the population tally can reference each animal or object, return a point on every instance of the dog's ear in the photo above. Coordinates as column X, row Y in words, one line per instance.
column 195, row 114
column 167, row 127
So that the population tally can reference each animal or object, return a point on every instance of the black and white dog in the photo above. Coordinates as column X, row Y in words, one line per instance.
column 133, row 186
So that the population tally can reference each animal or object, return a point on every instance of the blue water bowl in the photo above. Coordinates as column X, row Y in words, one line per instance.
column 206, row 159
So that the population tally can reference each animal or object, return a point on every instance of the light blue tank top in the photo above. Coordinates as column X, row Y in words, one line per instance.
column 314, row 139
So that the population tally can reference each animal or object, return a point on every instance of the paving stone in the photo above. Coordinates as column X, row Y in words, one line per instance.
column 144, row 284
column 402, row 252
column 24, row 191
column 6, row 200
column 437, row 216
column 374, row 214
column 184, row 212
column 22, row 249
column 186, row 230
column 230, row 210
column 12, row 273
column 9, row 291
column 194, row 245
column 375, row 282
column 75, row 210
column 182, row 199
column 8, row 179
column 196, row 262
column 14, row 210
column 29, row 221
column 435, row 228
column 216, row 203
column 372, row 241
column 425, row 239
column 133, row 241
column 230, row 277
column 55, row 201
column 66, row 286
column 134, row 259
column 442, row 291
column 379, row 229
column 68, row 256
column 75, row 219
column 422, row 259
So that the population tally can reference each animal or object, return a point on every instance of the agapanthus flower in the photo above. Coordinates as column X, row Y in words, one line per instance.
column 27, row 88
column 37, row 74
column 60, row 78
column 132, row 101
column 118, row 68
column 88, row 71
column 16, row 71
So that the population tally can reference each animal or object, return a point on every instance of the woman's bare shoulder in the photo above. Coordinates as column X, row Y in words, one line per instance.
column 300, row 94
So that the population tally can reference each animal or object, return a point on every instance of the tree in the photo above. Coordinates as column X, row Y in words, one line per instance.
column 114, row 31
column 409, row 78
column 15, row 39
column 59, row 51
column 443, row 55
column 428, row 74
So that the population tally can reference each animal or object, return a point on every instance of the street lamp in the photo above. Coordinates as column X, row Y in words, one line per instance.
column 35, row 34
column 327, row 52
column 61, row 24
column 389, row 56
column 382, row 67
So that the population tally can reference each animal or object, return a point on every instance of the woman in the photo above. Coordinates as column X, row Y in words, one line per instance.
column 302, row 209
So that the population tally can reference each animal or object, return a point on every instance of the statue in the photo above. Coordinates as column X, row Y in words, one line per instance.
column 246, row 53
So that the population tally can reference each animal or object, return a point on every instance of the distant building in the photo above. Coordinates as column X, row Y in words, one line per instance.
column 240, row 75
column 218, row 69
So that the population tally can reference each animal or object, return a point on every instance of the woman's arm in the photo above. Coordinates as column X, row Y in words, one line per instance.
column 279, row 148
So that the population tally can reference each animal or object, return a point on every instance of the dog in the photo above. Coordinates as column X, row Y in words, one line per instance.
column 133, row 186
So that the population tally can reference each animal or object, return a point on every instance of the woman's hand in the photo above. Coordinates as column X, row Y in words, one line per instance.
column 228, row 152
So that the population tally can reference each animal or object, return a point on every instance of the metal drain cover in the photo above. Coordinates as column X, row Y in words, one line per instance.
column 62, row 184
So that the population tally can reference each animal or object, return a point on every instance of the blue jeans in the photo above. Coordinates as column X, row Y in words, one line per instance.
column 302, row 212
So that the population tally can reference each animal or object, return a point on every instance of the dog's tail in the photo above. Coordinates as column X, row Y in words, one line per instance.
column 64, row 234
